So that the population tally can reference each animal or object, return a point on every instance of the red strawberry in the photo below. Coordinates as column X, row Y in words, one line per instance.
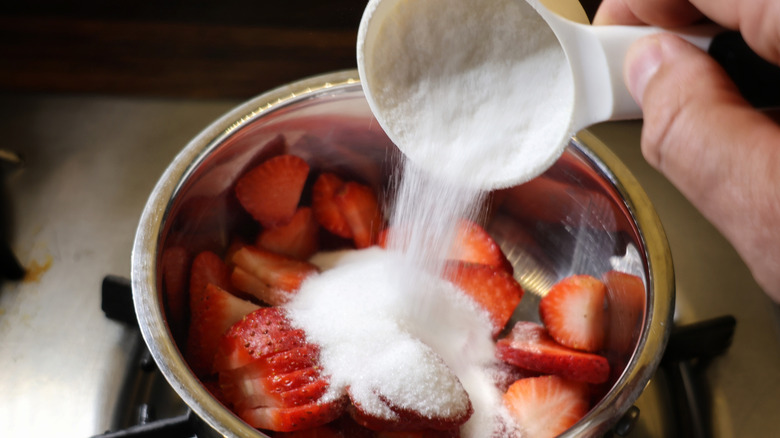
column 625, row 307
column 293, row 418
column 529, row 346
column 546, row 406
column 474, row 245
column 214, row 311
column 271, row 375
column 324, row 206
column 175, row 271
column 405, row 419
column 271, row 191
column 492, row 288
column 208, row 268
column 262, row 333
column 270, row 277
column 573, row 312
column 505, row 374
column 359, row 206
column 297, row 239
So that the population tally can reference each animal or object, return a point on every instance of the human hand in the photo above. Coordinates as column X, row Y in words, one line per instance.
column 721, row 153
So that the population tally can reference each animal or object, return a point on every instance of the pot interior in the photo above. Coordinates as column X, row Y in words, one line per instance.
column 585, row 215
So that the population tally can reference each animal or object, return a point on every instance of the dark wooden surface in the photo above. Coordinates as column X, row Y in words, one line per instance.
column 173, row 48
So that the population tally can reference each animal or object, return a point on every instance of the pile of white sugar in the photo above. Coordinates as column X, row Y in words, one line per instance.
column 362, row 314
column 476, row 91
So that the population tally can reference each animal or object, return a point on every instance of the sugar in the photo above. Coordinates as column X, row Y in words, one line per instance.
column 361, row 313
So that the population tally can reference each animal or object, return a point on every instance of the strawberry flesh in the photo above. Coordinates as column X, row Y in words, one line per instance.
column 474, row 245
column 529, row 346
column 270, row 277
column 573, row 312
column 492, row 288
column 297, row 239
column 325, row 208
column 276, row 384
column 359, row 206
column 546, row 406
column 214, row 311
column 271, row 191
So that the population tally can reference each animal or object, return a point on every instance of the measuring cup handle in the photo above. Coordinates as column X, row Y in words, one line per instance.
column 757, row 79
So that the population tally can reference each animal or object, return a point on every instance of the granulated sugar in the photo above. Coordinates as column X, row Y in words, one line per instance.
column 361, row 312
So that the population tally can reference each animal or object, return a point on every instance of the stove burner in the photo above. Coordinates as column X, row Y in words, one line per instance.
column 691, row 348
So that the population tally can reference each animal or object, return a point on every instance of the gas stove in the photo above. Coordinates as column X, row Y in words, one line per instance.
column 89, row 163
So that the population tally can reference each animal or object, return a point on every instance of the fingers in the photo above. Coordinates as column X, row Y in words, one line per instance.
column 757, row 20
column 719, row 152
column 663, row 13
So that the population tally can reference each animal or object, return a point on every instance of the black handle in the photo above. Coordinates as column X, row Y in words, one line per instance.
column 757, row 79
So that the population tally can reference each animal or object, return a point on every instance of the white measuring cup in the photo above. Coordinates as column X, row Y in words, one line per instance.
column 595, row 56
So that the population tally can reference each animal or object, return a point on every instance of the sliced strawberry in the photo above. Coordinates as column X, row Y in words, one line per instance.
column 262, row 333
column 270, row 277
column 213, row 311
column 297, row 239
column 400, row 419
column 546, row 406
column 324, row 206
column 175, row 270
column 573, row 312
column 268, row 363
column 504, row 374
column 359, row 206
column 492, row 288
column 293, row 418
column 271, row 191
column 474, row 245
column 208, row 268
column 625, row 307
column 529, row 346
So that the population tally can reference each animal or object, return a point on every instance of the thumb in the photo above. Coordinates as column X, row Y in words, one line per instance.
column 722, row 154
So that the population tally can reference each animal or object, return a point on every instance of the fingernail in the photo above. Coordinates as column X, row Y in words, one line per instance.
column 642, row 62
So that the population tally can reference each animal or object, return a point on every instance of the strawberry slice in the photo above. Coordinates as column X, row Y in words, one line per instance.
column 293, row 418
column 529, row 346
column 324, row 206
column 175, row 270
column 546, row 406
column 401, row 419
column 573, row 312
column 297, row 239
column 273, row 380
column 270, row 277
column 214, row 311
column 359, row 206
column 474, row 245
column 271, row 191
column 492, row 288
column 625, row 307
column 208, row 268
column 264, row 332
